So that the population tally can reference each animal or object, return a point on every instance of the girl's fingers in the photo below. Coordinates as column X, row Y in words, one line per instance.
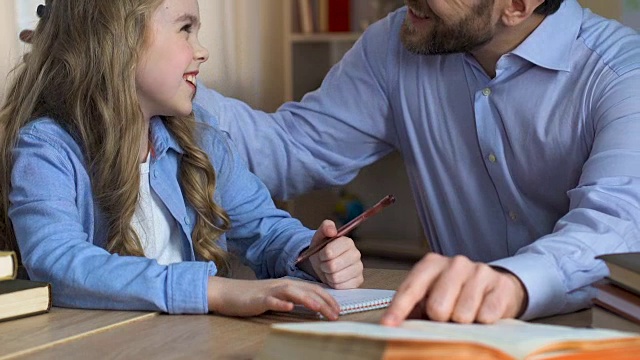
column 348, row 278
column 338, row 257
column 275, row 304
column 310, row 296
column 337, row 248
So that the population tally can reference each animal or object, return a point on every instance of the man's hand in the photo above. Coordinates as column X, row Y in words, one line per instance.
column 456, row 289
column 338, row 264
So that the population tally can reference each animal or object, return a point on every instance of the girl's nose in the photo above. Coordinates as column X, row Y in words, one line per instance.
column 201, row 54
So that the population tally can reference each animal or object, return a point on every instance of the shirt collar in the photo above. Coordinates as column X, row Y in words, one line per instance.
column 551, row 44
column 161, row 138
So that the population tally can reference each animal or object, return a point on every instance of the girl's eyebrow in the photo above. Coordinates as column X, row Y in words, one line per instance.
column 188, row 17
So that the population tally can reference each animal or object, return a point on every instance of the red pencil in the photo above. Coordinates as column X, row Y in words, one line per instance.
column 347, row 228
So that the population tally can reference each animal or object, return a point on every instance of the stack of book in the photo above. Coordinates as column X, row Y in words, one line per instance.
column 617, row 303
column 19, row 298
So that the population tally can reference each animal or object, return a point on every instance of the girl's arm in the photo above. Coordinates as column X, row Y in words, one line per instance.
column 268, row 238
column 53, row 215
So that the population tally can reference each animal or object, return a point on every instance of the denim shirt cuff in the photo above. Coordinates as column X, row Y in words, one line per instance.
column 187, row 286
column 293, row 269
column 546, row 293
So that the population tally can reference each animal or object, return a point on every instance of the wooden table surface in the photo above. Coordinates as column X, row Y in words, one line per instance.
column 59, row 326
column 122, row 335
column 160, row 336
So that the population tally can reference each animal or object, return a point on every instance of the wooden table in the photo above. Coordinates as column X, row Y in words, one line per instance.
column 160, row 336
column 60, row 325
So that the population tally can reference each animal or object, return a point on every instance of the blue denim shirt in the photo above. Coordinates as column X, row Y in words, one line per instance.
column 62, row 236
column 536, row 170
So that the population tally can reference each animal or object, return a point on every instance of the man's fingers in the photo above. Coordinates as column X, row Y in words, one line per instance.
column 445, row 290
column 472, row 294
column 413, row 289
column 493, row 307
column 506, row 299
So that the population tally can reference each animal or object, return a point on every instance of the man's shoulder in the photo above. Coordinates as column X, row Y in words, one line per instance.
column 617, row 45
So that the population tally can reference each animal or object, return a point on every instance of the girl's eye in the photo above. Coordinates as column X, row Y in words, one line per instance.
column 187, row 28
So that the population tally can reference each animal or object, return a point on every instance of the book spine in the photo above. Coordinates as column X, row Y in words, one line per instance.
column 339, row 15
column 306, row 16
column 12, row 257
column 323, row 15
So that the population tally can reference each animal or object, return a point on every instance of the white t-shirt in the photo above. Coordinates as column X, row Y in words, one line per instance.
column 157, row 230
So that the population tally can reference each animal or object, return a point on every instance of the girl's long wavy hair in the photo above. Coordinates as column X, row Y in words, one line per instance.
column 81, row 72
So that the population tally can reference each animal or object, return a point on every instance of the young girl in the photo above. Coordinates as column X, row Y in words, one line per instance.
column 119, row 197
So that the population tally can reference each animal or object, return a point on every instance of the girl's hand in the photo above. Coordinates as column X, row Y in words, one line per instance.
column 254, row 297
column 338, row 264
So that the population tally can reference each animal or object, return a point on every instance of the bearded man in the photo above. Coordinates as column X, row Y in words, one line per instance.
column 519, row 125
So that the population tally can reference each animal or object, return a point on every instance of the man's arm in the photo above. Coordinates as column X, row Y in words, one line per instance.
column 553, row 275
column 326, row 138
column 604, row 213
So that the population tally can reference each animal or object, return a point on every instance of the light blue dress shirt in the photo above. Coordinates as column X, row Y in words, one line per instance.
column 62, row 236
column 536, row 170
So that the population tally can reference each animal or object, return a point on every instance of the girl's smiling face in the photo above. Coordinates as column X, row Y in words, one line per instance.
column 168, row 66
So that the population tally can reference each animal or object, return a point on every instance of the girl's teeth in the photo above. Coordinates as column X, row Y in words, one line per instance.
column 191, row 79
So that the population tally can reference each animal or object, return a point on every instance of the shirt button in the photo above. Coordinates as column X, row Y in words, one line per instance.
column 513, row 215
column 493, row 158
column 187, row 221
column 486, row 91
column 155, row 174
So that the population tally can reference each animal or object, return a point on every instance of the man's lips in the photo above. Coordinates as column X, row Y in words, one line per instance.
column 418, row 13
column 418, row 18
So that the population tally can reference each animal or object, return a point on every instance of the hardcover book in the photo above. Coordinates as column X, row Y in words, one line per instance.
column 420, row 339
column 8, row 265
column 624, row 269
column 19, row 298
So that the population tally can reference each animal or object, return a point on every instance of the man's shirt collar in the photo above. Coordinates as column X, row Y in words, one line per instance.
column 551, row 44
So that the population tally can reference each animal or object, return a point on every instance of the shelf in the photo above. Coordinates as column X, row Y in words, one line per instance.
column 325, row 37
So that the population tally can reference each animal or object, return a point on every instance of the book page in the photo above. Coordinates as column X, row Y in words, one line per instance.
column 514, row 337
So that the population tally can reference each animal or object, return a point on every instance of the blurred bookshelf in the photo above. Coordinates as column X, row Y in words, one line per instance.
column 395, row 233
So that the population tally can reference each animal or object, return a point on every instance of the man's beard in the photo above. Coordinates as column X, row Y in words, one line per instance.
column 467, row 34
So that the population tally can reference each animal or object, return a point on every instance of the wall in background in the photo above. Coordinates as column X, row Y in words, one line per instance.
column 610, row 8
column 244, row 37
column 8, row 43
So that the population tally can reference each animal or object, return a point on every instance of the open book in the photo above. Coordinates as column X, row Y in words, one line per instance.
column 421, row 339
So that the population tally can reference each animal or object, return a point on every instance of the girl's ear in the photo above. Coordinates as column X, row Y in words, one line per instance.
column 26, row 36
column 517, row 11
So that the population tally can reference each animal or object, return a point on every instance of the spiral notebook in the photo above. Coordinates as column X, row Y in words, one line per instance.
column 352, row 300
